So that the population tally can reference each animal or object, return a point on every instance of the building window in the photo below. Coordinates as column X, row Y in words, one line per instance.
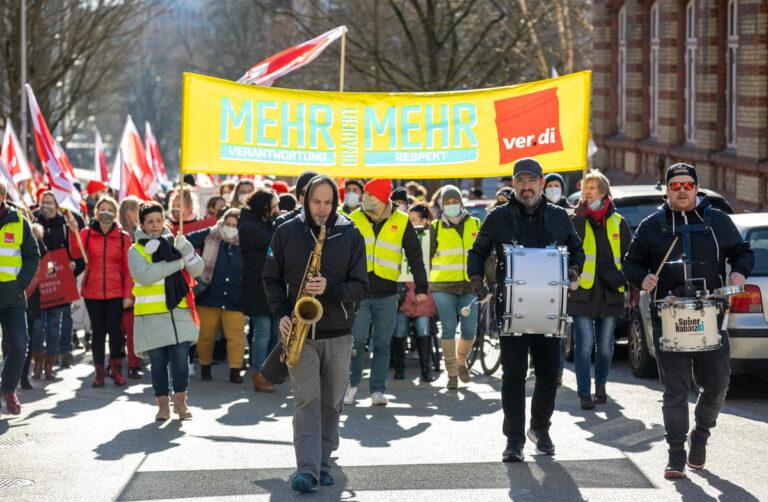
column 691, row 44
column 653, row 89
column 731, row 60
column 622, row 71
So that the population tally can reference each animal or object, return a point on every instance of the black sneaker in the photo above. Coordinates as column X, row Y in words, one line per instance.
column 205, row 372
column 697, row 443
column 542, row 441
column 512, row 453
column 587, row 403
column 676, row 466
column 600, row 396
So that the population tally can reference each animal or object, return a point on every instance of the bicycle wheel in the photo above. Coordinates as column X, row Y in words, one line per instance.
column 474, row 352
column 491, row 355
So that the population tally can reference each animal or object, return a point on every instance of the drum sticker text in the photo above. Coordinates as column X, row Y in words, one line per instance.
column 689, row 325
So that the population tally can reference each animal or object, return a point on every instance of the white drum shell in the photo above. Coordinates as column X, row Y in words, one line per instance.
column 534, row 296
column 686, row 328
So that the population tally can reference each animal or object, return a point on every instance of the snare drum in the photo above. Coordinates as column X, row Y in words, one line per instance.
column 535, row 293
column 689, row 325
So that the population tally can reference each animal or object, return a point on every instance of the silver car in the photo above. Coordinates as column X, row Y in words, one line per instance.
column 747, row 322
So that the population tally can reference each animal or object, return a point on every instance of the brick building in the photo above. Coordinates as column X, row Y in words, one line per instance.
column 683, row 80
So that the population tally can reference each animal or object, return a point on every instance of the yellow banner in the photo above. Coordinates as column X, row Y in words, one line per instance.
column 231, row 128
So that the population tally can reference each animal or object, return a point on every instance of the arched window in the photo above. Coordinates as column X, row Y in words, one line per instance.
column 731, row 60
column 621, row 67
column 691, row 45
column 653, row 87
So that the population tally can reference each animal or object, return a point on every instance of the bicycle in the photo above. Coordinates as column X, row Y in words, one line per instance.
column 487, row 345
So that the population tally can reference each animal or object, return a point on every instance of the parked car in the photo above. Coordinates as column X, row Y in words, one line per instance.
column 747, row 322
column 635, row 203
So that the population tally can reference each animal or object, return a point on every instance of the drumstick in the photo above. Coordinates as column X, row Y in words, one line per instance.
column 669, row 251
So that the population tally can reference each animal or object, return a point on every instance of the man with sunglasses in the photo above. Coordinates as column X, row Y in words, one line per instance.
column 529, row 220
column 706, row 239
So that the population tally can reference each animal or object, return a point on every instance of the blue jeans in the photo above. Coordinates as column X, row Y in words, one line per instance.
column 403, row 323
column 65, row 342
column 591, row 332
column 449, row 306
column 265, row 333
column 52, row 324
column 36, row 336
column 176, row 356
column 15, row 340
column 381, row 312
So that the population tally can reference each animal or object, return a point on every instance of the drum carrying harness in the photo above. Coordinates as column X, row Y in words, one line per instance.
column 685, row 236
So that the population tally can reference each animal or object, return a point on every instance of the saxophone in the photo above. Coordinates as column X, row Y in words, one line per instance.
column 307, row 310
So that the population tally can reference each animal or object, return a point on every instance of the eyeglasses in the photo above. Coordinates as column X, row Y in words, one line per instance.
column 676, row 186
column 526, row 180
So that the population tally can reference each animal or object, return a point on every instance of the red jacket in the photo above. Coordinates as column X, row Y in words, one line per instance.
column 413, row 308
column 106, row 274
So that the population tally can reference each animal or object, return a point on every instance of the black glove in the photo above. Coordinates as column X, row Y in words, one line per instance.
column 478, row 287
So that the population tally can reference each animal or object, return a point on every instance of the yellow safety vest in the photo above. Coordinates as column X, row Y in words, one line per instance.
column 151, row 299
column 613, row 231
column 384, row 252
column 450, row 261
column 11, row 235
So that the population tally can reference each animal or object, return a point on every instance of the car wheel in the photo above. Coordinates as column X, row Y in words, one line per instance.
column 569, row 343
column 640, row 360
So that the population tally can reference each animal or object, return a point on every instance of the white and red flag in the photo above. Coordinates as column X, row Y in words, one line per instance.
column 128, row 182
column 13, row 190
column 13, row 156
column 61, row 176
column 282, row 63
column 154, row 159
column 135, row 156
column 100, row 159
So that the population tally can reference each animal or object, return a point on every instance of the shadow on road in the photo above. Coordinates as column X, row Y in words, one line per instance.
column 135, row 441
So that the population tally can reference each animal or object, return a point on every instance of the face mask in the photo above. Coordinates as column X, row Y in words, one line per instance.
column 452, row 210
column 553, row 194
column 47, row 209
column 596, row 205
column 106, row 217
column 229, row 232
column 352, row 199
column 371, row 203
column 403, row 207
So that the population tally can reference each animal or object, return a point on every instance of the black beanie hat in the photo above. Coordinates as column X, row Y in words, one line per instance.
column 303, row 181
column 682, row 169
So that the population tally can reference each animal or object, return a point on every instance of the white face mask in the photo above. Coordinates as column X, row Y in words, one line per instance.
column 352, row 199
column 452, row 210
column 553, row 194
column 229, row 232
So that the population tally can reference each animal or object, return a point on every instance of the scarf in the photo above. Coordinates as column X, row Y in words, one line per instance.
column 211, row 249
column 179, row 284
column 598, row 216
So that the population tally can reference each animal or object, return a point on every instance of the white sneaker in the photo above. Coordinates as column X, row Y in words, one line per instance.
column 349, row 395
column 191, row 369
column 378, row 399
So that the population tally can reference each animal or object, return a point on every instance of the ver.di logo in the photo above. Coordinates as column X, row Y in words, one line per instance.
column 528, row 125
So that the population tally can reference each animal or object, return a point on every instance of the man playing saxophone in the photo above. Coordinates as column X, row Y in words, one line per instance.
column 319, row 377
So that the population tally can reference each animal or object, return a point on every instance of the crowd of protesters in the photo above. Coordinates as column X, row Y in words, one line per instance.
column 170, row 300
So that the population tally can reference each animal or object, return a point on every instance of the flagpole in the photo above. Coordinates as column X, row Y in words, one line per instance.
column 341, row 62
column 79, row 241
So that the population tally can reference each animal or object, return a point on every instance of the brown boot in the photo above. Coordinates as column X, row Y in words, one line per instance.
column 180, row 405
column 38, row 359
column 261, row 384
column 462, row 351
column 449, row 356
column 164, row 410
column 49, row 360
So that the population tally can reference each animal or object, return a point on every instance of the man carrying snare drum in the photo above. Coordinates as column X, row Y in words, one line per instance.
column 528, row 220
column 694, row 240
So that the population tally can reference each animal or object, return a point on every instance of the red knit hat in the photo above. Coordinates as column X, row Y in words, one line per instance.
column 381, row 188
column 280, row 186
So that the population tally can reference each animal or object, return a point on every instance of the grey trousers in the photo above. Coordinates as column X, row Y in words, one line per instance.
column 319, row 381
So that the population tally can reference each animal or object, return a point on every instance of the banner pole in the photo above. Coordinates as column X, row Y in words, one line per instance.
column 341, row 61
column 80, row 244
column 181, row 204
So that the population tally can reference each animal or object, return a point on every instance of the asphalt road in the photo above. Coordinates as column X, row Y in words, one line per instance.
column 73, row 442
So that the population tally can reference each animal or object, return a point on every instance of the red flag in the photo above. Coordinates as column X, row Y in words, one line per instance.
column 100, row 160
column 128, row 182
column 13, row 156
column 135, row 155
column 282, row 63
column 57, row 167
column 154, row 159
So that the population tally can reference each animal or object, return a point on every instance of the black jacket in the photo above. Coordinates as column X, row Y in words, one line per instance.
column 380, row 287
column 56, row 235
column 342, row 264
column 601, row 299
column 709, row 250
column 255, row 236
column 12, row 292
column 511, row 223
column 288, row 216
